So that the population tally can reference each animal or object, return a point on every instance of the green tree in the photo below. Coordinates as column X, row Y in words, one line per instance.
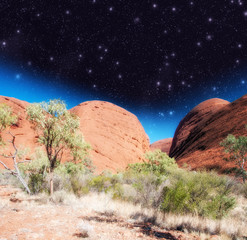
column 237, row 149
column 58, row 130
column 7, row 119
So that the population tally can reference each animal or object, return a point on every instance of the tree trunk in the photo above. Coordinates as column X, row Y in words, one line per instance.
column 51, row 182
column 24, row 184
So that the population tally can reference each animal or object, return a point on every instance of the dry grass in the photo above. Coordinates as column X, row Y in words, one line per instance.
column 229, row 228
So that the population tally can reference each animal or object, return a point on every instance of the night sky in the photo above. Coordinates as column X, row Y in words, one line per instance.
column 155, row 58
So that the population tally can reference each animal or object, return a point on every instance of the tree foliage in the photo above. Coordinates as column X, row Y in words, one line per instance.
column 237, row 149
column 6, row 119
column 58, row 130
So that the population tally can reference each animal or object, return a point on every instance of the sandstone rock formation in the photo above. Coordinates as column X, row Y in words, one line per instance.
column 197, row 138
column 116, row 135
column 164, row 145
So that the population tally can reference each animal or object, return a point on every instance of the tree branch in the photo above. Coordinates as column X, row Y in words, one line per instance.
column 5, row 166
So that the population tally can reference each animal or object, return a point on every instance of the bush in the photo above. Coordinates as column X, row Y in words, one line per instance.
column 68, row 176
column 158, row 163
column 35, row 171
column 200, row 193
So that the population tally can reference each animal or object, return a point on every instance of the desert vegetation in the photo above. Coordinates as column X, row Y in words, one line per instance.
column 159, row 191
column 236, row 147
column 156, row 191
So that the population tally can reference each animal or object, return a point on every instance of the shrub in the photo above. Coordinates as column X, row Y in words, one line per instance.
column 158, row 163
column 199, row 193
column 36, row 171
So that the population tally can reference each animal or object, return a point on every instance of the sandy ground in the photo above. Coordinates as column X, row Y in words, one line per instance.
column 27, row 217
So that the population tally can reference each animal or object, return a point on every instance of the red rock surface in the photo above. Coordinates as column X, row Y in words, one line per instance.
column 164, row 145
column 197, row 138
column 116, row 135
column 25, row 135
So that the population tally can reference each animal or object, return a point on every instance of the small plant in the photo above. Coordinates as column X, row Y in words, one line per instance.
column 36, row 171
column 85, row 229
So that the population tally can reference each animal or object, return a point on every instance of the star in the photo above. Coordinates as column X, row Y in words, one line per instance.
column 155, row 5
column 209, row 37
column 161, row 114
column 171, row 113
column 137, row 20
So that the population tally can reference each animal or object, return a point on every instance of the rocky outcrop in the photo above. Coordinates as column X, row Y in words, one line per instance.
column 164, row 145
column 116, row 135
column 197, row 138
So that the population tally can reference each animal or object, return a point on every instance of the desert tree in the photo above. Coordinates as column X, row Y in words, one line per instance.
column 7, row 119
column 58, row 130
column 237, row 149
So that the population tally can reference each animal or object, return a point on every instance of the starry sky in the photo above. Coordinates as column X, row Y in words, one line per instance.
column 155, row 58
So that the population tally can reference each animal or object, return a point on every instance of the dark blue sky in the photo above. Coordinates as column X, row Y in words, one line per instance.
column 157, row 121
column 157, row 59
